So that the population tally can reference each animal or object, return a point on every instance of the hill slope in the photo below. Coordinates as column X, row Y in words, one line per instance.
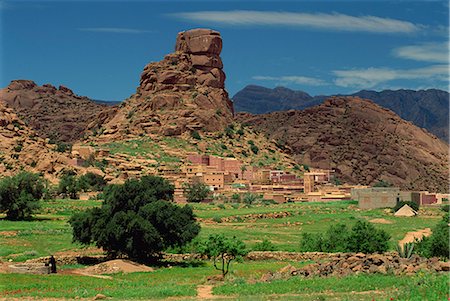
column 20, row 148
column 362, row 141
column 53, row 113
column 427, row 109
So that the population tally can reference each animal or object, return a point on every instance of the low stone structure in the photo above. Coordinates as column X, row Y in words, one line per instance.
column 29, row 268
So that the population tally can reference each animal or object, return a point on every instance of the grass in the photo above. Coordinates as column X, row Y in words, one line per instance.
column 49, row 233
column 371, row 287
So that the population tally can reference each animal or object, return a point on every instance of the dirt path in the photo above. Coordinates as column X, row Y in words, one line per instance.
column 411, row 236
column 205, row 292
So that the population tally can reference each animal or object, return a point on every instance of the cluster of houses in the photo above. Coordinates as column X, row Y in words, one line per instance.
column 227, row 176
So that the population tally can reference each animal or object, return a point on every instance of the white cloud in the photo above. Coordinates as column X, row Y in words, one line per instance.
column 301, row 80
column 430, row 52
column 371, row 77
column 330, row 22
column 114, row 30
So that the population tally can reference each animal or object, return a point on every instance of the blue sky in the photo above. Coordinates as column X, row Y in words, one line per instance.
column 99, row 49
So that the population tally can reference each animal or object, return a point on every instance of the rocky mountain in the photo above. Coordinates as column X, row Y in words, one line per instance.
column 362, row 141
column 427, row 109
column 182, row 93
column 55, row 113
column 21, row 148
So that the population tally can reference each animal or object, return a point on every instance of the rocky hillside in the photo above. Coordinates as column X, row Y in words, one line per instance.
column 53, row 113
column 20, row 148
column 182, row 93
column 427, row 109
column 362, row 141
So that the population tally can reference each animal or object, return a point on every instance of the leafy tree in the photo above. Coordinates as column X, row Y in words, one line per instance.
column 20, row 195
column 196, row 192
column 91, row 182
column 223, row 250
column 437, row 244
column 366, row 238
column 136, row 219
column 68, row 185
column 362, row 237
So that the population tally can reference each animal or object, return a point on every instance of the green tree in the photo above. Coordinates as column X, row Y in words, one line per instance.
column 437, row 244
column 20, row 195
column 362, row 237
column 196, row 135
column 250, row 198
column 223, row 250
column 366, row 238
column 196, row 192
column 91, row 182
column 136, row 219
column 68, row 185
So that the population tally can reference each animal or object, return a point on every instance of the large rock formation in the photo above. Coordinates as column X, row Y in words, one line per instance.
column 427, row 109
column 362, row 141
column 21, row 148
column 183, row 92
column 55, row 113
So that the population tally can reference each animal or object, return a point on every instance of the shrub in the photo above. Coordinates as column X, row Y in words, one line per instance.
column 366, row 238
column 91, row 182
column 223, row 250
column 136, row 219
column 196, row 135
column 62, row 147
column 20, row 195
column 217, row 219
column 68, row 185
column 382, row 183
column 236, row 197
column 437, row 244
column 196, row 192
column 400, row 204
column 445, row 208
column 229, row 131
column 264, row 245
column 254, row 149
column 250, row 198
column 363, row 237
column 240, row 132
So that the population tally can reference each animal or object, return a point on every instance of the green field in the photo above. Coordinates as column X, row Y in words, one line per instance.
column 49, row 233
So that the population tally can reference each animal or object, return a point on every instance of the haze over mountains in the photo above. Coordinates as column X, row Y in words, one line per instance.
column 427, row 109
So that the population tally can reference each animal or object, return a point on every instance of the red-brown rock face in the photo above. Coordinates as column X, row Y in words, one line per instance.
column 362, row 141
column 53, row 113
column 181, row 93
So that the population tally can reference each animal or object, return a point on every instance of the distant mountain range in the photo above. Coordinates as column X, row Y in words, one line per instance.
column 361, row 141
column 427, row 109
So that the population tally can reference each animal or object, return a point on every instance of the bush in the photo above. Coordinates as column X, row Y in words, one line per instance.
column 382, row 183
column 254, row 149
column 20, row 195
column 400, row 204
column 250, row 198
column 223, row 250
column 63, row 147
column 196, row 135
column 445, row 208
column 136, row 219
column 68, row 185
column 91, row 182
column 363, row 237
column 264, row 245
column 437, row 244
column 196, row 192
